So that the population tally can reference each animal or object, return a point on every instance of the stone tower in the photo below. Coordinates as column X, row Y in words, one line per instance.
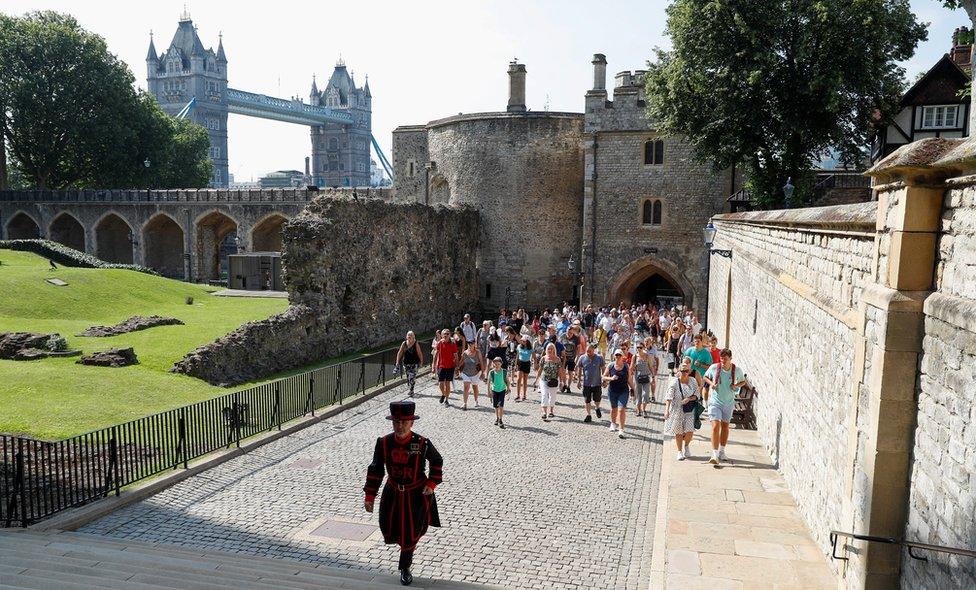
column 185, row 71
column 341, row 153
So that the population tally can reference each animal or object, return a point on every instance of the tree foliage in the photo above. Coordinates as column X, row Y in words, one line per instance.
column 776, row 84
column 73, row 118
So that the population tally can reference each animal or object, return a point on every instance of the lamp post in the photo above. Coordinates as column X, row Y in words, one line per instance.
column 708, row 236
column 788, row 189
column 146, row 163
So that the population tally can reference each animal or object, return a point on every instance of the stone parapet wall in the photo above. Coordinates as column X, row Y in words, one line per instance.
column 359, row 273
column 203, row 195
column 785, row 303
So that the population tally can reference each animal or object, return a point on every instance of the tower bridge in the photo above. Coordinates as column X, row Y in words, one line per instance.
column 190, row 81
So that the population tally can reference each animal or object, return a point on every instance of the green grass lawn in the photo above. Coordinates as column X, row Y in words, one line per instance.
column 55, row 398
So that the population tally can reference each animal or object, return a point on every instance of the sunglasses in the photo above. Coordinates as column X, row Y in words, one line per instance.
column 617, row 354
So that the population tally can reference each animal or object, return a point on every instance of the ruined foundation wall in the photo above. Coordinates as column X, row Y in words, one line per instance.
column 359, row 273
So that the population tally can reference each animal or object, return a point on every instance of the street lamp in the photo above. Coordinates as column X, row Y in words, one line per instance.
column 788, row 189
column 146, row 163
column 708, row 237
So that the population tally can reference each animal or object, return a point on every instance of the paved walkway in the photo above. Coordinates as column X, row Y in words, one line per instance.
column 734, row 526
column 561, row 504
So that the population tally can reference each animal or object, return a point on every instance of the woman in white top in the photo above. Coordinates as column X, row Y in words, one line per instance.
column 679, row 407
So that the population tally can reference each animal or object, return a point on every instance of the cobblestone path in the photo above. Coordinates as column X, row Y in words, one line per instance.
column 562, row 504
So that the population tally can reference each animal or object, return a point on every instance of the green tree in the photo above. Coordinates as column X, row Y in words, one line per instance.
column 73, row 118
column 775, row 84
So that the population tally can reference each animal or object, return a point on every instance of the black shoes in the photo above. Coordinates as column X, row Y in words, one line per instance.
column 406, row 578
column 501, row 425
column 441, row 400
column 588, row 418
column 599, row 414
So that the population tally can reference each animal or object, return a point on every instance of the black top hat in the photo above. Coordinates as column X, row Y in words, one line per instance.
column 402, row 410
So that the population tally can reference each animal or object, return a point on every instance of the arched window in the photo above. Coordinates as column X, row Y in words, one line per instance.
column 654, row 151
column 651, row 212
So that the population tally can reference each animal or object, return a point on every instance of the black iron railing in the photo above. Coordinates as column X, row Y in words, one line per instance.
column 41, row 478
column 910, row 545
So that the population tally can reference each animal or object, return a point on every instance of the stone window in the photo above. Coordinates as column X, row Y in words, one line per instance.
column 333, row 143
column 411, row 165
column 651, row 212
column 654, row 151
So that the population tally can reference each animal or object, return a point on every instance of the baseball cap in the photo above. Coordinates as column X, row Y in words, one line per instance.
column 617, row 351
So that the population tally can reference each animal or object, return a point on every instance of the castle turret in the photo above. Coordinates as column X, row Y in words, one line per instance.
column 516, row 87
column 221, row 56
column 151, row 57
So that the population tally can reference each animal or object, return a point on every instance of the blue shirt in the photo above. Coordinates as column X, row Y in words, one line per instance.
column 722, row 393
column 592, row 370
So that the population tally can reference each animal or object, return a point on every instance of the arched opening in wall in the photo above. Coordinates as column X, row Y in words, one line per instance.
column 216, row 239
column 22, row 227
column 657, row 289
column 113, row 239
column 67, row 230
column 440, row 191
column 650, row 280
column 162, row 242
column 266, row 235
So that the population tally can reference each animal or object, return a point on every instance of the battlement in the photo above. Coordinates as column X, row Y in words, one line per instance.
column 625, row 111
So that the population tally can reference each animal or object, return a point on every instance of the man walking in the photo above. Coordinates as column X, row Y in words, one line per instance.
column 724, row 380
column 407, row 504
column 469, row 329
column 410, row 356
column 589, row 375
column 446, row 357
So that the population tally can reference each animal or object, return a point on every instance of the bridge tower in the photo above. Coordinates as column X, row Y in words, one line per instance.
column 185, row 71
column 341, row 153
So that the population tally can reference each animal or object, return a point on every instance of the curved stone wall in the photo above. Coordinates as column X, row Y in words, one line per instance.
column 524, row 173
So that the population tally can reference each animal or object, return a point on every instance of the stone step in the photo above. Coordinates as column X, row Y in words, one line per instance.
column 76, row 560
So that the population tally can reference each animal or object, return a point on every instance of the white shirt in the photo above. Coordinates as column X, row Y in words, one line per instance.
column 469, row 331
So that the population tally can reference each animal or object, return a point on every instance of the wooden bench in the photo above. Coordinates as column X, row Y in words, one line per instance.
column 743, row 412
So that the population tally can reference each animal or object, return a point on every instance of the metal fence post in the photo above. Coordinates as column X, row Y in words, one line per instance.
column 338, row 387
column 383, row 367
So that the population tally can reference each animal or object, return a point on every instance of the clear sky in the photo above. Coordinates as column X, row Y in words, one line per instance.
column 425, row 59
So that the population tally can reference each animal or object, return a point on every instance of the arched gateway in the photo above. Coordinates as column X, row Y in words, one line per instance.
column 650, row 279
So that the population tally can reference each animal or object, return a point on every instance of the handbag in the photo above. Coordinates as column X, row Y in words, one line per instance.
column 552, row 382
column 643, row 379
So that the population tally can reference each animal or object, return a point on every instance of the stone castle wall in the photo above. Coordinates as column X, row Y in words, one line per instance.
column 359, row 273
column 523, row 172
column 786, row 304
column 410, row 159
column 942, row 500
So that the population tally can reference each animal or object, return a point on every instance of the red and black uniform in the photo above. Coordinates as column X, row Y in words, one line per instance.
column 405, row 512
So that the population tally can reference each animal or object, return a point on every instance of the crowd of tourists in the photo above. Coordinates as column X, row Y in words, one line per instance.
column 634, row 355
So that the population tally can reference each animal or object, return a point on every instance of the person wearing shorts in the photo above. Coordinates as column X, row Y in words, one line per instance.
column 621, row 383
column 642, row 376
column 524, row 361
column 724, row 380
column 410, row 356
column 589, row 376
column 445, row 359
column 498, row 383
column 472, row 368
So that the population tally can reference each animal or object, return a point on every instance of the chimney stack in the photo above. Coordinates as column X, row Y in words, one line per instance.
column 961, row 52
column 516, row 87
column 599, row 72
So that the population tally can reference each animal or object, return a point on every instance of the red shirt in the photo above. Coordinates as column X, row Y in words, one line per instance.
column 716, row 358
column 446, row 351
